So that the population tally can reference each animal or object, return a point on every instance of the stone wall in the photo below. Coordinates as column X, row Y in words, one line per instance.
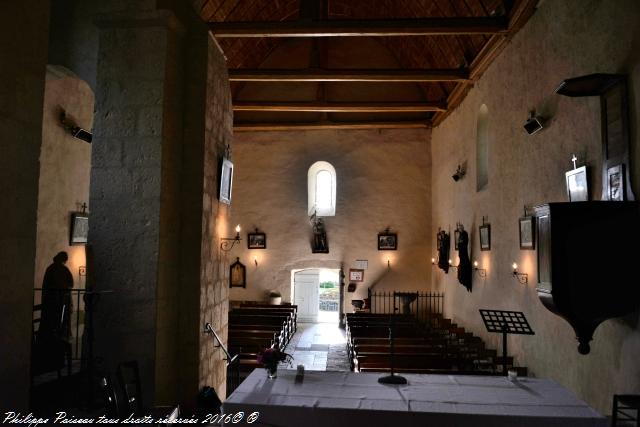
column 383, row 180
column 563, row 39
column 214, row 293
column 22, row 79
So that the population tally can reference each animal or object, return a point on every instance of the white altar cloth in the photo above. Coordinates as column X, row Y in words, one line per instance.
column 357, row 399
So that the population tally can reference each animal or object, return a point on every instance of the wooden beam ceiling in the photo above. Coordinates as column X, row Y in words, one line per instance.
column 322, row 125
column 350, row 75
column 362, row 28
column 341, row 107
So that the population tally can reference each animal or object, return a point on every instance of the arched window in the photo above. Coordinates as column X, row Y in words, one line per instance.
column 321, row 189
column 482, row 149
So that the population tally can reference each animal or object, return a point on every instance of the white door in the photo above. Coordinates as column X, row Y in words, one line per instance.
column 306, row 288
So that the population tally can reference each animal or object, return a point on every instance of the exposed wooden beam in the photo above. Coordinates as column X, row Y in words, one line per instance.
column 350, row 75
column 518, row 17
column 342, row 107
column 262, row 127
column 362, row 28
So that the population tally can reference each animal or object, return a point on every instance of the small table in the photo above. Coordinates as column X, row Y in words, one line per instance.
column 349, row 399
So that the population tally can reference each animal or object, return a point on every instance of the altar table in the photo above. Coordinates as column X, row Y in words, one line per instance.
column 349, row 399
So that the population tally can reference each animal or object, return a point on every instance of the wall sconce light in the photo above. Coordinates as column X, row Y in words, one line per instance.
column 255, row 260
column 451, row 265
column 522, row 277
column 388, row 264
column 433, row 261
column 482, row 272
column 227, row 243
column 460, row 172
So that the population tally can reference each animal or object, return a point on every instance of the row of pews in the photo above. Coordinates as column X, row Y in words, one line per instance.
column 443, row 347
column 256, row 326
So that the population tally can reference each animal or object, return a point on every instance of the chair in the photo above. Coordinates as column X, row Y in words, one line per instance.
column 109, row 397
column 623, row 407
column 129, row 379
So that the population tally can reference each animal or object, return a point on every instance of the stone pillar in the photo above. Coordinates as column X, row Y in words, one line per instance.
column 22, row 76
column 135, row 183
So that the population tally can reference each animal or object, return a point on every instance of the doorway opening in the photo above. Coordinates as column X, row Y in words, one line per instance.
column 316, row 292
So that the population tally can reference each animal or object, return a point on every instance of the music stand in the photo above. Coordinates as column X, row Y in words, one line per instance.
column 393, row 378
column 507, row 322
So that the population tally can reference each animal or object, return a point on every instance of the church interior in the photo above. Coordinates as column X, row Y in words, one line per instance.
column 439, row 190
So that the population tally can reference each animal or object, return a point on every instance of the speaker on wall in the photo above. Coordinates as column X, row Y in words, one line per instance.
column 533, row 125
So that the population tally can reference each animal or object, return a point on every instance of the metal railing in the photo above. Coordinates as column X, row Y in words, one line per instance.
column 425, row 306
column 73, row 303
column 233, row 362
column 328, row 305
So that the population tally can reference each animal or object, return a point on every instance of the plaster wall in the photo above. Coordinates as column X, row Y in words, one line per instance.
column 22, row 80
column 563, row 39
column 65, row 165
column 383, row 180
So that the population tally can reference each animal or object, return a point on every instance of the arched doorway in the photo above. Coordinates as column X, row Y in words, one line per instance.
column 316, row 292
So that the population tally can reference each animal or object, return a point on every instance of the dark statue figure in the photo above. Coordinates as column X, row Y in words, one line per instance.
column 443, row 250
column 464, row 266
column 319, row 243
column 56, row 300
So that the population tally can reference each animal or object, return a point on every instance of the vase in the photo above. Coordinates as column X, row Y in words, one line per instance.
column 272, row 373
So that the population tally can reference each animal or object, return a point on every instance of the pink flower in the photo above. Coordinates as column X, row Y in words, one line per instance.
column 270, row 357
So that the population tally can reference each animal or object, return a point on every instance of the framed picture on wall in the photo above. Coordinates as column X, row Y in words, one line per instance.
column 577, row 185
column 485, row 237
column 257, row 240
column 527, row 232
column 387, row 241
column 79, row 229
column 237, row 275
column 356, row 275
column 225, row 181
column 616, row 181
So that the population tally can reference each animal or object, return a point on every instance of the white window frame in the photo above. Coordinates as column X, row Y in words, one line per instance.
column 312, row 175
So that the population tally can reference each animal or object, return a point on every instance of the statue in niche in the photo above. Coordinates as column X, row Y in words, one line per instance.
column 443, row 250
column 319, row 243
column 464, row 266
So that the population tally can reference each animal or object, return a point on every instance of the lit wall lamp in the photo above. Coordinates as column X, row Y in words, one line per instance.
column 482, row 272
column 522, row 277
column 227, row 243
column 433, row 261
column 451, row 265
column 388, row 264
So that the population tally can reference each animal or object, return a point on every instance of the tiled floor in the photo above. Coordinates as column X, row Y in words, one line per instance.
column 311, row 344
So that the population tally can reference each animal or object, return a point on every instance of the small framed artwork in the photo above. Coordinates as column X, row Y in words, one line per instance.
column 485, row 237
column 226, row 181
column 616, row 183
column 257, row 240
column 577, row 185
column 79, row 229
column 527, row 232
column 387, row 241
column 237, row 275
column 356, row 275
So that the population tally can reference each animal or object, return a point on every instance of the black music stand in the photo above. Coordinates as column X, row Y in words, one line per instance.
column 393, row 378
column 507, row 322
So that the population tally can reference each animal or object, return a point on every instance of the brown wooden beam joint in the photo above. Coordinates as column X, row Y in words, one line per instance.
column 362, row 28
column 341, row 107
column 350, row 75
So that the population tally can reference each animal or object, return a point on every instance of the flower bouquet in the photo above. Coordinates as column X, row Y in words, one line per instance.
column 271, row 357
